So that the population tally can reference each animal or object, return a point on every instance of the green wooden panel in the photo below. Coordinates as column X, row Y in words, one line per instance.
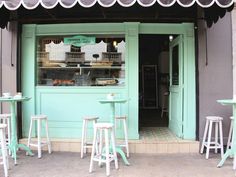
column 62, row 125
column 87, row 28
column 65, row 109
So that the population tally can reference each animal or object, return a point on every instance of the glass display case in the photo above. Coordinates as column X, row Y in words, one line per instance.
column 81, row 60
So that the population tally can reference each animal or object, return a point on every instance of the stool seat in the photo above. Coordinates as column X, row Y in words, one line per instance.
column 90, row 118
column 210, row 120
column 120, row 117
column 104, row 125
column 84, row 143
column 39, row 144
column 39, row 117
column 3, row 149
column 214, row 118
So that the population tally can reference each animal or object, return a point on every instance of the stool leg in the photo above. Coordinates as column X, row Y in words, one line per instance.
column 230, row 135
column 4, row 153
column 126, row 137
column 94, row 122
column 85, row 137
column 93, row 151
column 209, row 140
column 100, row 148
column 114, row 148
column 221, row 139
column 39, row 139
column 48, row 139
column 9, row 134
column 107, row 152
column 82, row 140
column 204, row 136
column 216, row 136
column 29, row 136
column 234, row 162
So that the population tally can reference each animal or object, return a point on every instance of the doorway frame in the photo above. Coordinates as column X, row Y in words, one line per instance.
column 189, row 69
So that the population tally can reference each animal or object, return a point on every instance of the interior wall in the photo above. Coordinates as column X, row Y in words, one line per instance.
column 8, row 62
column 215, row 71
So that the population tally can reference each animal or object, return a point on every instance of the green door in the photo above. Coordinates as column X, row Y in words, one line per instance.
column 176, row 86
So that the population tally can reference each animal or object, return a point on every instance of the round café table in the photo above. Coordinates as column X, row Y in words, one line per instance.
column 112, row 103
column 14, row 145
column 232, row 150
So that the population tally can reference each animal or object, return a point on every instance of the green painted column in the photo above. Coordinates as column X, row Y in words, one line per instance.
column 28, row 74
column 189, row 98
column 132, row 58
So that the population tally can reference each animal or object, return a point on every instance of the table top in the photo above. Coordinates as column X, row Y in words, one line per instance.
column 114, row 100
column 227, row 101
column 12, row 98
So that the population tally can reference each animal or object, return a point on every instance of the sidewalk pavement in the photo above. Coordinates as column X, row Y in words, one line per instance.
column 67, row 164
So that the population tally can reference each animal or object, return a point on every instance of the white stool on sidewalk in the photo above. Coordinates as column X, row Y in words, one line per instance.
column 40, row 144
column 229, row 142
column 125, row 144
column 3, row 148
column 84, row 143
column 106, row 157
column 209, row 144
column 5, row 119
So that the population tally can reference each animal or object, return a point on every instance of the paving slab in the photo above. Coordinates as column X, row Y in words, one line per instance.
column 68, row 164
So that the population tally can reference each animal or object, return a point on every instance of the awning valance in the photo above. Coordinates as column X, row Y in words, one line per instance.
column 49, row 4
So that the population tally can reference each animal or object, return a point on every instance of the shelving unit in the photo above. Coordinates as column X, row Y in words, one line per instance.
column 149, row 87
column 89, row 73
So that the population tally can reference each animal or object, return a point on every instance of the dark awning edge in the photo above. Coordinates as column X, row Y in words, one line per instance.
column 49, row 4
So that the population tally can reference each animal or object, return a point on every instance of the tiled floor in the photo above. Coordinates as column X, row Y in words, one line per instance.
column 161, row 140
column 158, row 134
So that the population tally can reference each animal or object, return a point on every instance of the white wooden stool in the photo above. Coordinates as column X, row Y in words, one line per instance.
column 108, row 156
column 126, row 143
column 209, row 144
column 5, row 119
column 3, row 148
column 40, row 144
column 164, row 108
column 229, row 142
column 84, row 143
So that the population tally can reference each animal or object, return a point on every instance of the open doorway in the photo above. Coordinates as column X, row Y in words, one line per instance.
column 153, row 80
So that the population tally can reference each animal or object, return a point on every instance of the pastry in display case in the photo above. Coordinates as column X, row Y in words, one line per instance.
column 61, row 63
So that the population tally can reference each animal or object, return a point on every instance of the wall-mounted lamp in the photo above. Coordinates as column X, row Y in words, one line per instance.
column 170, row 38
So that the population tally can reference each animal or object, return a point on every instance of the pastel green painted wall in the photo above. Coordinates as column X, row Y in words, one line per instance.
column 65, row 106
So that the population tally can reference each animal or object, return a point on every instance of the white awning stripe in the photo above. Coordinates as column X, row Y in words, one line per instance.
column 68, row 5
column 49, row 4
column 186, row 5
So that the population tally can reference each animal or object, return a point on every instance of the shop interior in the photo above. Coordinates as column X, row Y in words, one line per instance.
column 153, row 80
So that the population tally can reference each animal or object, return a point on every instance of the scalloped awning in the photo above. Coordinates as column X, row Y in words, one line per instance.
column 49, row 4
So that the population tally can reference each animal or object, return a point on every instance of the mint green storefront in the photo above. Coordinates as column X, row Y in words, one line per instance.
column 65, row 106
